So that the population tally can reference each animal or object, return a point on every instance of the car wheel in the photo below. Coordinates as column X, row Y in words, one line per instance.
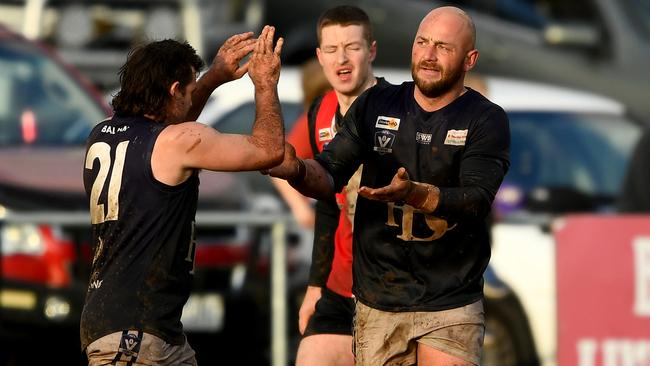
column 508, row 341
column 498, row 344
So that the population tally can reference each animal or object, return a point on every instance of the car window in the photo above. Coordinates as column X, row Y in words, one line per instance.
column 40, row 104
column 583, row 154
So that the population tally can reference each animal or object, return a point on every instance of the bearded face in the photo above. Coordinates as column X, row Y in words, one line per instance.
column 434, row 88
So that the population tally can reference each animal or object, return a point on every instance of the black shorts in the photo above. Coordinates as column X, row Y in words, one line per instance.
column 333, row 315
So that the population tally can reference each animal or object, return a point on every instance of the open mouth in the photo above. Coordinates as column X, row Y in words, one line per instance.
column 344, row 74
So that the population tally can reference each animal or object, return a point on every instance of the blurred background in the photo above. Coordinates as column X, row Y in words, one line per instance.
column 572, row 76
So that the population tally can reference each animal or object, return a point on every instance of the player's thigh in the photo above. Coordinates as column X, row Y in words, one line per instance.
column 428, row 356
column 325, row 350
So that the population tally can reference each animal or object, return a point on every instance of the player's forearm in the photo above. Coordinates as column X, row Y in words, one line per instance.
column 268, row 129
column 204, row 87
column 312, row 180
column 470, row 202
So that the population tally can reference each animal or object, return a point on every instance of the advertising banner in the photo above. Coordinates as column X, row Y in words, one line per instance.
column 603, row 290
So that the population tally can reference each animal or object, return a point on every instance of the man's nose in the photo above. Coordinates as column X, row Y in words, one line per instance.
column 430, row 53
column 341, row 56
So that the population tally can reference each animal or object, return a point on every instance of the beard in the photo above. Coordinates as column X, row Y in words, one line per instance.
column 178, row 110
column 433, row 89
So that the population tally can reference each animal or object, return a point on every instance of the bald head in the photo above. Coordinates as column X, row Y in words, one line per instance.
column 443, row 52
column 455, row 20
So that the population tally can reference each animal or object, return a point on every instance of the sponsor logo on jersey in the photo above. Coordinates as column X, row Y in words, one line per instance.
column 423, row 138
column 112, row 130
column 456, row 137
column 325, row 134
column 384, row 142
column 388, row 123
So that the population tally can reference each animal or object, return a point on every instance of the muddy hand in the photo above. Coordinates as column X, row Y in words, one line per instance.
column 226, row 64
column 264, row 64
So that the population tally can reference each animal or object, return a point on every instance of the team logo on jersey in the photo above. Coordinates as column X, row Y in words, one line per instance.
column 384, row 142
column 130, row 344
column 423, row 138
column 456, row 137
column 437, row 225
column 388, row 123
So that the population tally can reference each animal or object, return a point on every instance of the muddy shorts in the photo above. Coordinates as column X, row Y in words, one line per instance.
column 333, row 315
column 131, row 348
column 391, row 338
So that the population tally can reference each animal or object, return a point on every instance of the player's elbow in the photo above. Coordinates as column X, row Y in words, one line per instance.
column 276, row 155
column 272, row 154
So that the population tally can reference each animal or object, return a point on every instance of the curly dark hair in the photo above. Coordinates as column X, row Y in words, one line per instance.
column 149, row 71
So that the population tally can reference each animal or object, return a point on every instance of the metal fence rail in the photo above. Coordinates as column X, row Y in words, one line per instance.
column 276, row 222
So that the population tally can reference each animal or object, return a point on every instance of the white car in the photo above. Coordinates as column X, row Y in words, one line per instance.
column 569, row 153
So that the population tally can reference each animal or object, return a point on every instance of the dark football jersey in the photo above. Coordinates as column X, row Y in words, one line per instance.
column 405, row 260
column 143, row 235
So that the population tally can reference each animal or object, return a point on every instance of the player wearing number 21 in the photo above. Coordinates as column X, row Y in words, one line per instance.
column 141, row 177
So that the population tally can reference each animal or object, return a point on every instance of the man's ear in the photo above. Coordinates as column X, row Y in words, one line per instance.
column 175, row 89
column 470, row 60
column 373, row 51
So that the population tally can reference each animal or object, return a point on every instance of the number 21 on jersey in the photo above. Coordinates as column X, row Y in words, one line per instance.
column 102, row 152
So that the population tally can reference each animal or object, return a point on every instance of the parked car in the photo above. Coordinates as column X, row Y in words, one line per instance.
column 569, row 153
column 43, row 104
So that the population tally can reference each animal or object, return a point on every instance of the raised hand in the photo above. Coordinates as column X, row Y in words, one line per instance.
column 225, row 67
column 264, row 64
column 226, row 64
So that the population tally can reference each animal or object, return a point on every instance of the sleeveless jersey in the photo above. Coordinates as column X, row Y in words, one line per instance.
column 143, row 235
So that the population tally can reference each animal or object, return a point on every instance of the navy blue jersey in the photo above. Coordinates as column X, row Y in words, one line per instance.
column 143, row 235
column 405, row 260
